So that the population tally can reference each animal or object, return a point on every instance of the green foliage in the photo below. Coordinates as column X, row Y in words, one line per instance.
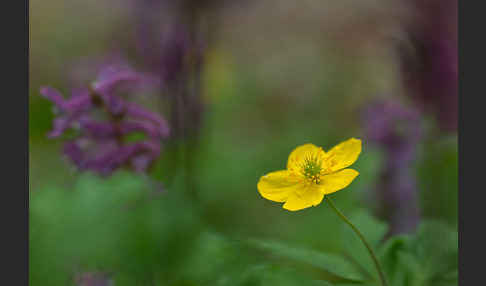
column 338, row 267
column 122, row 226
column 267, row 274
column 438, row 173
column 40, row 116
column 117, row 225
column 427, row 258
column 373, row 230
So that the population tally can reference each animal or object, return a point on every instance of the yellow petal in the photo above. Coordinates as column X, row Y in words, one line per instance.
column 310, row 196
column 298, row 155
column 342, row 155
column 277, row 186
column 336, row 181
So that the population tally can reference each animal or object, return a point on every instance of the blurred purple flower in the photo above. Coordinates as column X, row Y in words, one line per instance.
column 123, row 78
column 70, row 110
column 396, row 130
column 170, row 43
column 92, row 279
column 431, row 69
column 112, row 70
column 100, row 144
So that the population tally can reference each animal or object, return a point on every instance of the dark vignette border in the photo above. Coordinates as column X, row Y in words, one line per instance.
column 14, row 117
column 471, row 143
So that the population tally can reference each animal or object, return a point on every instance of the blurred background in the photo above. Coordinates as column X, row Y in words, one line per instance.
column 241, row 84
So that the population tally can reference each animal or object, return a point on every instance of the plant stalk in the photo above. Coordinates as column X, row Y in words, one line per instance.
column 355, row 229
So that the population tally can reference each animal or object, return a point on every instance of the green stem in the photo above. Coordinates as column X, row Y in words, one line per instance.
column 370, row 250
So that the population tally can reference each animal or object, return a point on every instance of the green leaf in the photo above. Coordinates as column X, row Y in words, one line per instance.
column 411, row 270
column 336, row 265
column 436, row 247
column 270, row 274
column 209, row 258
column 389, row 255
column 425, row 258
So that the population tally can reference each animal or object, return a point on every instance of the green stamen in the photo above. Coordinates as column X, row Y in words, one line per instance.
column 311, row 169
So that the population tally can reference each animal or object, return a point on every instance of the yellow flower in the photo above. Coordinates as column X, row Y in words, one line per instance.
column 311, row 173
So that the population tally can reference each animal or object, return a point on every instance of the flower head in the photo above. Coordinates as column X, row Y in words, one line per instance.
column 311, row 173
column 104, row 121
column 430, row 68
column 397, row 131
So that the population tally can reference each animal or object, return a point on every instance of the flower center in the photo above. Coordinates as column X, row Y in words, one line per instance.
column 311, row 169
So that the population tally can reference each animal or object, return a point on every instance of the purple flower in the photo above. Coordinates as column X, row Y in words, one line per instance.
column 124, row 79
column 135, row 111
column 170, row 42
column 111, row 70
column 430, row 69
column 71, row 110
column 164, row 45
column 92, row 279
column 396, row 130
column 103, row 120
column 112, row 156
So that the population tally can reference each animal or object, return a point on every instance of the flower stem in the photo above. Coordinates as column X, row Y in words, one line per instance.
column 370, row 250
